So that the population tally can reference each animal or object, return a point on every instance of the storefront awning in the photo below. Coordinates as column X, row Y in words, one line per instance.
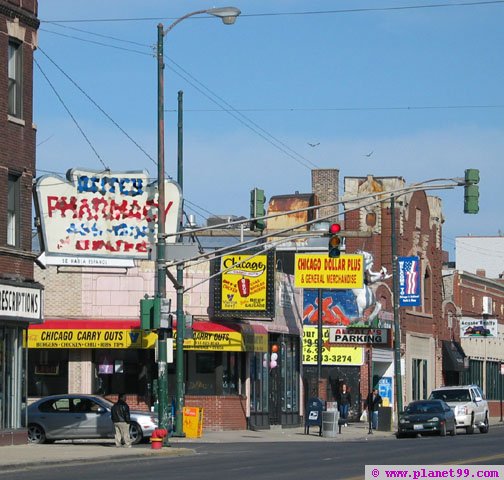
column 453, row 357
column 227, row 337
column 207, row 336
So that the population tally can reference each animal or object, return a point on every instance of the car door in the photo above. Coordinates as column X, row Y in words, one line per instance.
column 479, row 409
column 56, row 418
column 94, row 420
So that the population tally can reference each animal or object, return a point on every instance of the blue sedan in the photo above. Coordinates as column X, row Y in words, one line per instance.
column 427, row 416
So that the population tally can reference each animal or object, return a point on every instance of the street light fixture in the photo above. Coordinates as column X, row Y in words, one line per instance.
column 228, row 16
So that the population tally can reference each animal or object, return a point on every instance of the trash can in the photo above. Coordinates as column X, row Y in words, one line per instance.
column 384, row 419
column 330, row 424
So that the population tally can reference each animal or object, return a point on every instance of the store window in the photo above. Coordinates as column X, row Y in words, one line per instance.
column 48, row 372
column 11, row 377
column 259, row 382
column 493, row 388
column 214, row 373
column 123, row 371
column 289, row 370
column 419, row 379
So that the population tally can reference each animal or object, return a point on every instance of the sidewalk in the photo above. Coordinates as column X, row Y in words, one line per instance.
column 18, row 456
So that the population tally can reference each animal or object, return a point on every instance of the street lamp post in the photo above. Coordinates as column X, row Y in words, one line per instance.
column 228, row 16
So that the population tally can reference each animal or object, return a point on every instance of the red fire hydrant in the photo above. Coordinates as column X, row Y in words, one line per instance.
column 157, row 438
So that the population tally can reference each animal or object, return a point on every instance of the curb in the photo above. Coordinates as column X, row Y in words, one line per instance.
column 48, row 462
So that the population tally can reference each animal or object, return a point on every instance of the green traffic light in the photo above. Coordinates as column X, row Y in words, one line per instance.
column 471, row 191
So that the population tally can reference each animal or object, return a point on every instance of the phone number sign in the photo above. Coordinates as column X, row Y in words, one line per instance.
column 331, row 355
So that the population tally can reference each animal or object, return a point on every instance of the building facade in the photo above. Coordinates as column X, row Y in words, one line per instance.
column 91, row 342
column 21, row 300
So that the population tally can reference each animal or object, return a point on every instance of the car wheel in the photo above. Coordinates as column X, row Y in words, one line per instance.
column 470, row 428
column 135, row 432
column 453, row 432
column 36, row 434
column 442, row 432
column 399, row 435
column 486, row 426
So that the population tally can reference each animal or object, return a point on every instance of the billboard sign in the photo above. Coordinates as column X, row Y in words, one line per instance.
column 245, row 286
column 474, row 327
column 103, row 214
column 331, row 354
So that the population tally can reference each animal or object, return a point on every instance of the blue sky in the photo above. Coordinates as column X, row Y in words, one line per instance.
column 421, row 88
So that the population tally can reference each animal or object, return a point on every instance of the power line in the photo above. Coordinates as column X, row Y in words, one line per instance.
column 348, row 109
column 98, row 106
column 285, row 14
column 244, row 120
column 70, row 114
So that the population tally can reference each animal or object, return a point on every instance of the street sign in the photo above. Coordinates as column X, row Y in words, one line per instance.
column 73, row 261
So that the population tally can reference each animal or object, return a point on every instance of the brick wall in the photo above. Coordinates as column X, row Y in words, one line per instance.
column 220, row 413
column 325, row 186
column 17, row 140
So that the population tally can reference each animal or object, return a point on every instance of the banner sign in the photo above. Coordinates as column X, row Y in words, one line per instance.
column 375, row 336
column 103, row 214
column 109, row 338
column 245, row 286
column 331, row 355
column 474, row 327
column 321, row 271
column 409, row 281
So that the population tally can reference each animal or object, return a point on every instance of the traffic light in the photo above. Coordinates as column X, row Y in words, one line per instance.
column 471, row 191
column 334, row 240
column 155, row 313
column 257, row 201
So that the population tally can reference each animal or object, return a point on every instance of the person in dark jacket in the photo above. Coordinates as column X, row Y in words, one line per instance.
column 345, row 400
column 373, row 402
column 121, row 418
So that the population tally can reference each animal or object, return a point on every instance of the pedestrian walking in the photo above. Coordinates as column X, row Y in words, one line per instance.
column 373, row 402
column 121, row 419
column 344, row 402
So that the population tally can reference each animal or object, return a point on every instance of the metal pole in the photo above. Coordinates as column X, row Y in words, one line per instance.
column 179, row 407
column 319, row 340
column 161, row 242
column 397, row 327
column 500, row 391
column 370, row 386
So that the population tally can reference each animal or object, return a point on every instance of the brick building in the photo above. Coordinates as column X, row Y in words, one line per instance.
column 418, row 220
column 21, row 297
column 476, row 320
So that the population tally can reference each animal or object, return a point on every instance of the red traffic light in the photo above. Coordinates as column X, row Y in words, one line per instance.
column 334, row 228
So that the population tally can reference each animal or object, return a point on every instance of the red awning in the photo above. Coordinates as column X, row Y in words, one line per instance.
column 109, row 324
column 120, row 324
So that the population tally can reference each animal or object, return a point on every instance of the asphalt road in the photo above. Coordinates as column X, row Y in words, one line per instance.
column 284, row 460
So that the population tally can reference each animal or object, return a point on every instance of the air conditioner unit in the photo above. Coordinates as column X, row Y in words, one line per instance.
column 487, row 306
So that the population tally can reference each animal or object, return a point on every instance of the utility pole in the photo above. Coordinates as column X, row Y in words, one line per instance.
column 163, row 331
column 397, row 325
column 179, row 396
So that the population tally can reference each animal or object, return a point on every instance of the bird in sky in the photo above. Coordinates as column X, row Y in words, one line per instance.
column 314, row 144
column 369, row 154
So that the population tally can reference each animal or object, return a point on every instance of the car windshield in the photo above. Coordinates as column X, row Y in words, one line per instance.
column 455, row 395
column 107, row 403
column 424, row 407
